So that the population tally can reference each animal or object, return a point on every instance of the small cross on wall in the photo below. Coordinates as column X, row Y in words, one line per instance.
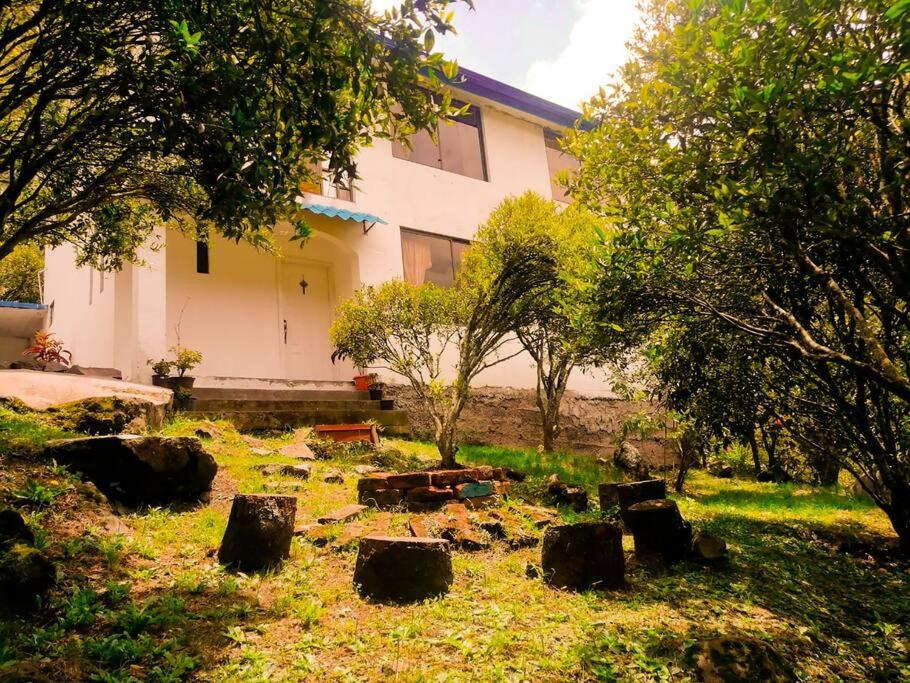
column 303, row 284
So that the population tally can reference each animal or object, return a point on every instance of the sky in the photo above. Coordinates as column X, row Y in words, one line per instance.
column 561, row 50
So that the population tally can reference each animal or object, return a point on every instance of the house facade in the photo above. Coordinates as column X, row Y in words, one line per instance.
column 264, row 315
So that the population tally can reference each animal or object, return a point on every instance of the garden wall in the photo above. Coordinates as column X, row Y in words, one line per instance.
column 509, row 417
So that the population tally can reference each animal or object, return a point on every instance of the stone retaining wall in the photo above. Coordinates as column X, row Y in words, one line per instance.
column 509, row 417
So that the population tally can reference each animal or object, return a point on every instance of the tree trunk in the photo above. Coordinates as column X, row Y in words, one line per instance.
column 756, row 458
column 898, row 512
column 551, row 387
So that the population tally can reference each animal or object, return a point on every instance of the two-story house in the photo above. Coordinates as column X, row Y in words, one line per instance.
column 264, row 315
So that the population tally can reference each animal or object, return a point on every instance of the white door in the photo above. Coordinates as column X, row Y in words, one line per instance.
column 306, row 314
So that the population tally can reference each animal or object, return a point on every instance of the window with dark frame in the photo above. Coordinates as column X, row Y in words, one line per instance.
column 431, row 258
column 202, row 257
column 559, row 165
column 458, row 148
column 344, row 188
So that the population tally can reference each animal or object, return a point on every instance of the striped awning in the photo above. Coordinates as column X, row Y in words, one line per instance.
column 343, row 214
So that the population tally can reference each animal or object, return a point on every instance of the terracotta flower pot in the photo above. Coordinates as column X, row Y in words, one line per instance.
column 363, row 382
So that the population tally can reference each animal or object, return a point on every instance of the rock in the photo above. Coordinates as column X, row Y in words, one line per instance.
column 259, row 531
column 302, row 471
column 345, row 514
column 373, row 482
column 639, row 491
column 532, row 571
column 661, row 535
column 627, row 457
column 261, row 452
column 494, row 527
column 541, row 517
column 363, row 470
column 23, row 672
column 474, row 489
column 725, row 472
column 139, row 470
column 297, row 450
column 13, row 529
column 100, row 416
column 709, row 548
column 724, row 660
column 514, row 475
column 417, row 526
column 567, row 494
column 317, row 534
column 481, row 503
column 207, row 431
column 403, row 569
column 333, row 477
column 583, row 556
column 25, row 573
column 381, row 499
column 108, row 373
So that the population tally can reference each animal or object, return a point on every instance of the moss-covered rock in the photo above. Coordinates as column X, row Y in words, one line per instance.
column 25, row 573
column 99, row 416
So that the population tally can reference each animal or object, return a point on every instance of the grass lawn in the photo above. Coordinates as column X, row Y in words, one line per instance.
column 142, row 597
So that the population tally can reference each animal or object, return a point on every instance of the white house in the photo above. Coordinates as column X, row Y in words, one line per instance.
column 262, row 315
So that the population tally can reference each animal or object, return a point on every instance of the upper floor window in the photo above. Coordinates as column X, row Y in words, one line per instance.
column 319, row 184
column 458, row 146
column 431, row 258
column 560, row 165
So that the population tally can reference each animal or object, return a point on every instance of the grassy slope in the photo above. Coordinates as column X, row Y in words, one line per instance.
column 147, row 600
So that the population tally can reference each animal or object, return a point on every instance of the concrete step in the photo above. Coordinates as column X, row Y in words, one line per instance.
column 269, row 384
column 394, row 422
column 286, row 395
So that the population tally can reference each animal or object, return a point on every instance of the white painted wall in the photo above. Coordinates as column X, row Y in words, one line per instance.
column 234, row 314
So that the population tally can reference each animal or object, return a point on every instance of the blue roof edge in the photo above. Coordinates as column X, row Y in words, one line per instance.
column 21, row 304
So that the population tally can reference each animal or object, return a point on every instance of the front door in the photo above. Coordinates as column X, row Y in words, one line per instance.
column 306, row 314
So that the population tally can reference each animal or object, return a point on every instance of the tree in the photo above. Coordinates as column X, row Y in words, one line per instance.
column 755, row 160
column 414, row 330
column 557, row 333
column 20, row 273
column 116, row 115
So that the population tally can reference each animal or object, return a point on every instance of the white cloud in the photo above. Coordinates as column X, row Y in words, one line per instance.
column 596, row 48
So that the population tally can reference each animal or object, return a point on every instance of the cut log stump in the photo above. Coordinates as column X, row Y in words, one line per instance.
column 583, row 556
column 661, row 535
column 637, row 492
column 402, row 569
column 259, row 531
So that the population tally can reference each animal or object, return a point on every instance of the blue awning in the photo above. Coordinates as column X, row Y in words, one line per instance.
column 343, row 214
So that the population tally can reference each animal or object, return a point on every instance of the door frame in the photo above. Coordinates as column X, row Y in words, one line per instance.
column 283, row 263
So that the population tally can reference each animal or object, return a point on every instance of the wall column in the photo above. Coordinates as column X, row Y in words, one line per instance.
column 148, row 297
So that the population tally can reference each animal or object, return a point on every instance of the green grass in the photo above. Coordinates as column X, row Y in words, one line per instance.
column 150, row 602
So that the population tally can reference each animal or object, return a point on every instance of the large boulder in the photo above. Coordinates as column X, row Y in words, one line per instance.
column 661, row 535
column 100, row 416
column 583, row 556
column 627, row 457
column 139, row 470
column 403, row 569
column 259, row 532
column 729, row 660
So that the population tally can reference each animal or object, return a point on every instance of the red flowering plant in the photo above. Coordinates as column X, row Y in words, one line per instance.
column 47, row 349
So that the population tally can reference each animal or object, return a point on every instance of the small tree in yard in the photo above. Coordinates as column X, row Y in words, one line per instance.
column 558, row 332
column 117, row 116
column 415, row 330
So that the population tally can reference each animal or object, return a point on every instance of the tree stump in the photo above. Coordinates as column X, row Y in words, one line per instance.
column 259, row 531
column 402, row 569
column 608, row 494
column 583, row 556
column 661, row 535
column 637, row 492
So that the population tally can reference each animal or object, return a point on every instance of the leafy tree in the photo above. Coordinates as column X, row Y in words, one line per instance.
column 20, row 273
column 414, row 331
column 116, row 115
column 557, row 333
column 755, row 160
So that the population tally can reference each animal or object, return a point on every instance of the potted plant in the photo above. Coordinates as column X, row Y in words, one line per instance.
column 376, row 391
column 363, row 382
column 183, row 399
column 186, row 360
column 160, row 371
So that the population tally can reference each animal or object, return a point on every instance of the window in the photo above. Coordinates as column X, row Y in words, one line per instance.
column 202, row 257
column 458, row 146
column 430, row 258
column 320, row 185
column 560, row 165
